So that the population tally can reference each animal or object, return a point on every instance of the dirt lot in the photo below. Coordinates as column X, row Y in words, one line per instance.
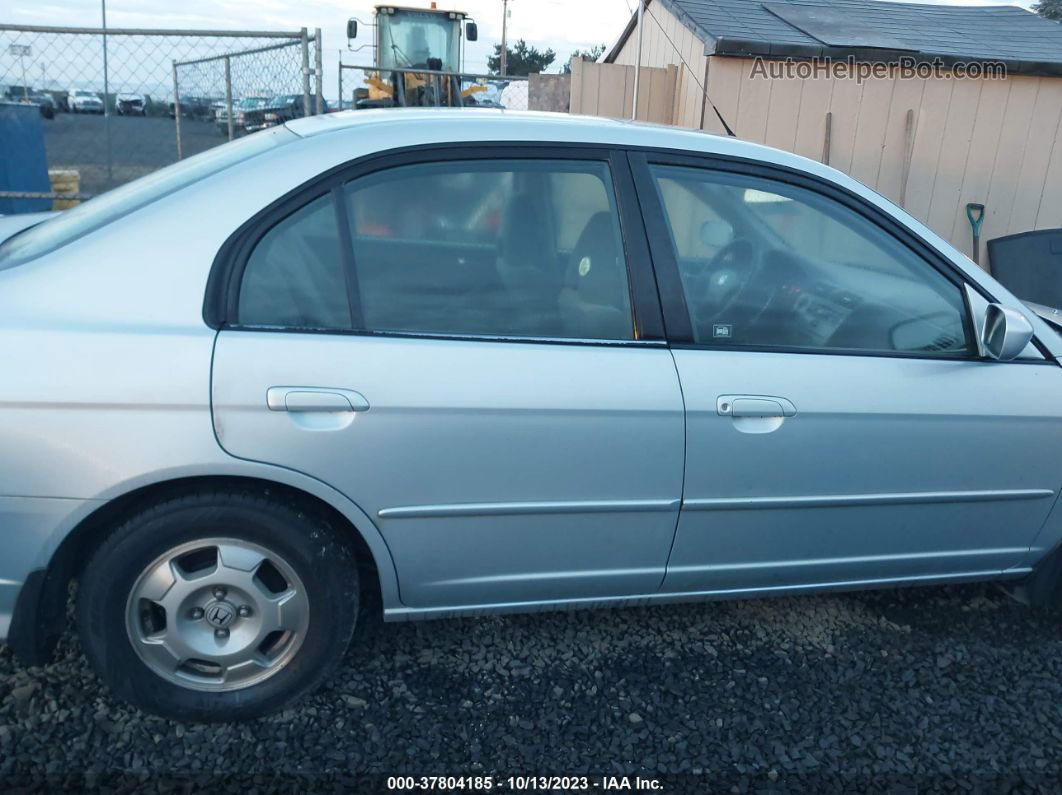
column 928, row 689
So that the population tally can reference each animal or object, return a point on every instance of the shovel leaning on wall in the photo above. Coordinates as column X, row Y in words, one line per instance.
column 976, row 214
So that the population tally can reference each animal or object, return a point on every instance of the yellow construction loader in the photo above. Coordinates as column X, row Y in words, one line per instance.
column 419, row 58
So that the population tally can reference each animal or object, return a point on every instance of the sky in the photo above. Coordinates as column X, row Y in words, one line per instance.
column 563, row 25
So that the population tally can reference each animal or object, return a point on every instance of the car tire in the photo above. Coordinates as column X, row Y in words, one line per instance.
column 238, row 665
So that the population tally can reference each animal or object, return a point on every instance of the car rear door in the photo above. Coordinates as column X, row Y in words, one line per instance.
column 468, row 344
column 841, row 429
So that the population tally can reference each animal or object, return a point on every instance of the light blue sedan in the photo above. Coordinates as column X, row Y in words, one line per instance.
column 485, row 361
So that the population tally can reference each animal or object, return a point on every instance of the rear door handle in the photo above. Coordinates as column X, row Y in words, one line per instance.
column 754, row 406
column 310, row 398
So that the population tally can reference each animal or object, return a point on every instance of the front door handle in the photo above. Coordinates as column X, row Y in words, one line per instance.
column 754, row 406
column 311, row 398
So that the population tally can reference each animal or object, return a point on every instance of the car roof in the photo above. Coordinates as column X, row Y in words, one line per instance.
column 458, row 125
column 312, row 125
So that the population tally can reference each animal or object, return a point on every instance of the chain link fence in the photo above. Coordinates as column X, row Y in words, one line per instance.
column 120, row 103
column 368, row 87
column 246, row 91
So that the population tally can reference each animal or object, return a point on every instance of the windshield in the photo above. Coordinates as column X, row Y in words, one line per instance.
column 410, row 38
column 1050, row 315
column 71, row 224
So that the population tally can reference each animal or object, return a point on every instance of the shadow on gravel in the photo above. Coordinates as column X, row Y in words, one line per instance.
column 927, row 689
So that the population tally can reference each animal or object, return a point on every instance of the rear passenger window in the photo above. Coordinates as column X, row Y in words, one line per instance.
column 491, row 248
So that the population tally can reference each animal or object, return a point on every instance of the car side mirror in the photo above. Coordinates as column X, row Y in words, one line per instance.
column 471, row 31
column 1005, row 334
column 352, row 28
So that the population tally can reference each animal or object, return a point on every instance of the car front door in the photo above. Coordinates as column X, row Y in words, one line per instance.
column 469, row 346
column 841, row 429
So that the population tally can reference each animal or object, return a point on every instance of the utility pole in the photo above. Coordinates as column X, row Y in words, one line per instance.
column 505, row 43
column 638, row 62
column 103, row 8
column 106, row 110
column 21, row 51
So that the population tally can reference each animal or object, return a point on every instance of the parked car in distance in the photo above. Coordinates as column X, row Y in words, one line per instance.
column 43, row 101
column 131, row 105
column 492, row 362
column 81, row 101
column 239, row 113
column 46, row 102
column 278, row 110
column 196, row 108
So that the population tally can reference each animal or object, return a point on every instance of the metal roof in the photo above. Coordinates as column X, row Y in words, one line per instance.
column 870, row 30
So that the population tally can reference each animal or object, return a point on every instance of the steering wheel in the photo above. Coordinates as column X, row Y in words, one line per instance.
column 731, row 274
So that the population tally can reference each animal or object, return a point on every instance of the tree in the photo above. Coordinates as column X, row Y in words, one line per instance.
column 520, row 60
column 591, row 54
column 1049, row 9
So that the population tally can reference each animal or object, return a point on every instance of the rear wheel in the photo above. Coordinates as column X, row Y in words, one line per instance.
column 219, row 606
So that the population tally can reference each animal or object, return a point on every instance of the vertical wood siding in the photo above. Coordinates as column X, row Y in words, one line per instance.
column 994, row 142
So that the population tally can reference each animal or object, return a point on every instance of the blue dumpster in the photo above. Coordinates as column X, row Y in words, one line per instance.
column 23, row 164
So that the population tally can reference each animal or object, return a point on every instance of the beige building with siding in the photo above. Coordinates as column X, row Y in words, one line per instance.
column 928, row 141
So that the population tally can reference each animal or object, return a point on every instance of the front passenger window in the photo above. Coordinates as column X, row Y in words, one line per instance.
column 791, row 268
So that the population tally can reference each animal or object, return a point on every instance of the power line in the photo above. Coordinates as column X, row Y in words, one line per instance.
column 704, row 91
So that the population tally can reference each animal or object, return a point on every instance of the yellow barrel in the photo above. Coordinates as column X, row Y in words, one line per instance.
column 64, row 180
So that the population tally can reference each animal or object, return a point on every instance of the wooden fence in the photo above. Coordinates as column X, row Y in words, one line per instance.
column 604, row 89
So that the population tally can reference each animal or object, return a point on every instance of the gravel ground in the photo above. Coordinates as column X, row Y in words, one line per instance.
column 927, row 689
